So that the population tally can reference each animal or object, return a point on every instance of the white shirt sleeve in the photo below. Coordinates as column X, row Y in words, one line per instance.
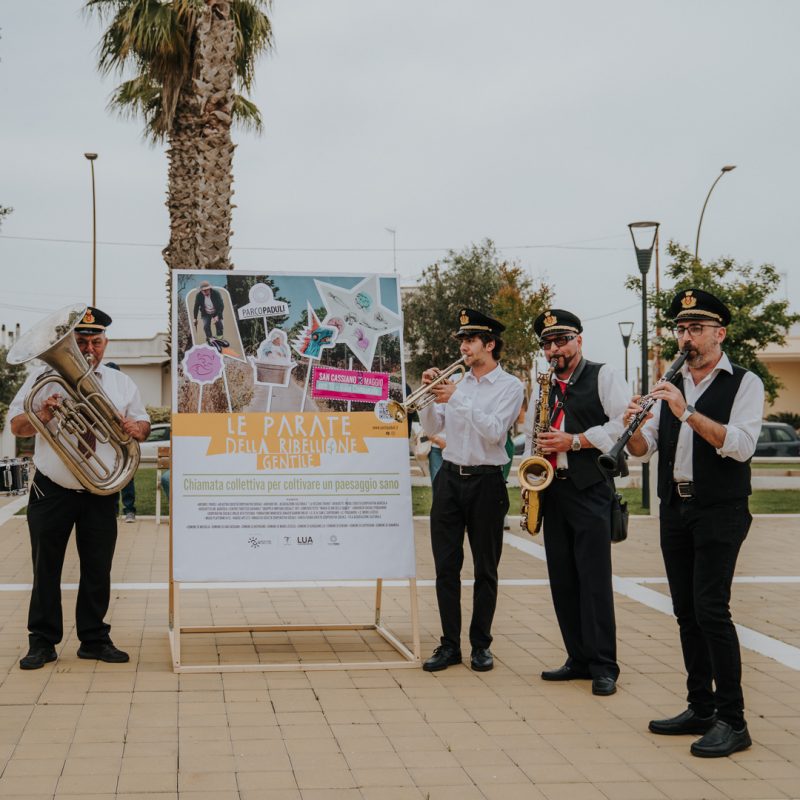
column 614, row 396
column 432, row 418
column 741, row 431
column 650, row 432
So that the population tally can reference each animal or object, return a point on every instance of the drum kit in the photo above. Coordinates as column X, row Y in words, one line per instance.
column 14, row 474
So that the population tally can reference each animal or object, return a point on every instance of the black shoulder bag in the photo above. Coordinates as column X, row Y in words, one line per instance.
column 619, row 515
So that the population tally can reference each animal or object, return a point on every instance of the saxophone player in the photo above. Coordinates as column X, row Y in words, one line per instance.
column 470, row 491
column 587, row 401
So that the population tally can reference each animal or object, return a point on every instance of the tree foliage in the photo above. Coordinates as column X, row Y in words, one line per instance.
column 11, row 378
column 187, row 57
column 759, row 319
column 475, row 277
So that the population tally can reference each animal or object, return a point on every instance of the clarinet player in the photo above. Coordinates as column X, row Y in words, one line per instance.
column 705, row 429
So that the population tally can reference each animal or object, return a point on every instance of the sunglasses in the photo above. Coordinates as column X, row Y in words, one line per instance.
column 558, row 341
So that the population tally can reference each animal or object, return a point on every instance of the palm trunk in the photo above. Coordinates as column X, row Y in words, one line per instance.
column 214, row 87
column 183, row 177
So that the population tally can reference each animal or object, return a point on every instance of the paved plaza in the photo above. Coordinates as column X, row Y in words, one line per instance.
column 79, row 729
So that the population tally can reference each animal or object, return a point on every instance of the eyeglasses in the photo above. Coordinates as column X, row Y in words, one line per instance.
column 558, row 341
column 693, row 330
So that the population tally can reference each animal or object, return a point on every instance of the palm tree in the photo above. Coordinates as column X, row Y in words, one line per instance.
column 188, row 55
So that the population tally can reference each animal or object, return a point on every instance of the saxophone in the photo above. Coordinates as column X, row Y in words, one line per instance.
column 536, row 472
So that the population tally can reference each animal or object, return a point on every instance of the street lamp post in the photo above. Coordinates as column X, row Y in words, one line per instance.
column 394, row 247
column 726, row 168
column 644, row 239
column 91, row 159
column 626, row 329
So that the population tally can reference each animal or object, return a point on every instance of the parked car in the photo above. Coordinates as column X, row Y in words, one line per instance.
column 777, row 439
column 159, row 437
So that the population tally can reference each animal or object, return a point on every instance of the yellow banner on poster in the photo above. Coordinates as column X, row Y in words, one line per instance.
column 287, row 440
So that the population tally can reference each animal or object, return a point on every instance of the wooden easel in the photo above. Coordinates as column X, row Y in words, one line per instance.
column 410, row 657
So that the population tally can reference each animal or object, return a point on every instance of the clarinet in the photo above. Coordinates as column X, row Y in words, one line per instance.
column 608, row 461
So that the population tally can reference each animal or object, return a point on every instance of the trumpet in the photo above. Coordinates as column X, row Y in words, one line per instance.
column 86, row 416
column 424, row 396
column 608, row 461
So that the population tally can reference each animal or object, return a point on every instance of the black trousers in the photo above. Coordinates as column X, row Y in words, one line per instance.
column 52, row 513
column 477, row 503
column 577, row 539
column 700, row 545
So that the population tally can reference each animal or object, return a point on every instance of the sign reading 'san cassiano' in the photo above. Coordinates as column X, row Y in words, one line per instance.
column 284, row 462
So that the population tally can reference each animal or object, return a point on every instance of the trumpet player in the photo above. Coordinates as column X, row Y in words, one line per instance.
column 705, row 428
column 58, row 502
column 586, row 400
column 470, row 491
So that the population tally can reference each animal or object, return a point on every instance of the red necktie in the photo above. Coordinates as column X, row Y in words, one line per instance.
column 562, row 385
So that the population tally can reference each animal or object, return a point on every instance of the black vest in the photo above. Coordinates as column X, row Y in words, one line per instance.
column 716, row 479
column 582, row 410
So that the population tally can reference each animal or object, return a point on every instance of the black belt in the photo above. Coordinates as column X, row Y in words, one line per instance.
column 561, row 474
column 480, row 469
column 684, row 490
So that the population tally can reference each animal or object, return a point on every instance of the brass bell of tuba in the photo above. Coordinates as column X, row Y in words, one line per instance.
column 86, row 417
column 535, row 472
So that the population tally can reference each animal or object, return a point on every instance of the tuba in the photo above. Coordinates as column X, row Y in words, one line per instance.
column 536, row 472
column 424, row 396
column 85, row 417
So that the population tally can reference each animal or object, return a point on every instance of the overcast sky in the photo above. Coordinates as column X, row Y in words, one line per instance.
column 545, row 126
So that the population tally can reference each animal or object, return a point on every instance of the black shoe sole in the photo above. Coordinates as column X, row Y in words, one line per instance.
column 482, row 667
column 604, row 692
column 52, row 657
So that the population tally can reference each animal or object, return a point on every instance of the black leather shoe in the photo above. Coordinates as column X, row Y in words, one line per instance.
column 37, row 656
column 686, row 722
column 443, row 657
column 721, row 740
column 103, row 652
column 481, row 659
column 566, row 673
column 604, row 685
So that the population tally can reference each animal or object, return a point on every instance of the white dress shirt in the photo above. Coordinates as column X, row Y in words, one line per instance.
column 614, row 397
column 741, row 431
column 122, row 392
column 477, row 417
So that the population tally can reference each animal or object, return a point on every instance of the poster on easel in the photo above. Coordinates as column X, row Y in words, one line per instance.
column 285, row 462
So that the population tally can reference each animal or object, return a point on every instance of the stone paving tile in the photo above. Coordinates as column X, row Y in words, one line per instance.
column 135, row 731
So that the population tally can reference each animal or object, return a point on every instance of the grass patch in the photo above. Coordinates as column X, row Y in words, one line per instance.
column 145, row 493
column 762, row 501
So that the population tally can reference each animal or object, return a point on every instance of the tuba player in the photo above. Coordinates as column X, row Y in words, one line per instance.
column 58, row 502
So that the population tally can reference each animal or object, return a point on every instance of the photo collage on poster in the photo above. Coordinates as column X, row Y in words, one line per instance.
column 280, row 343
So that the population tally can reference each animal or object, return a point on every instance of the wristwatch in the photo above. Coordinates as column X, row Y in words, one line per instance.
column 576, row 442
column 687, row 413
